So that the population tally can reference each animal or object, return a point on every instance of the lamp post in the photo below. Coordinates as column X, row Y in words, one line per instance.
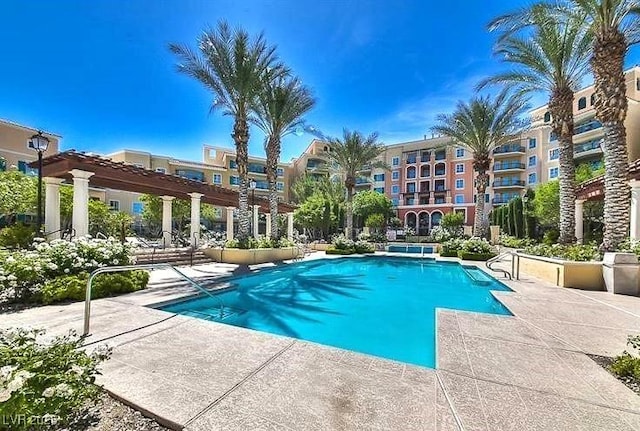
column 39, row 143
column 252, row 186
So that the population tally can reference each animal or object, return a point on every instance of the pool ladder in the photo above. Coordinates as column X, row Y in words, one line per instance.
column 500, row 258
column 108, row 269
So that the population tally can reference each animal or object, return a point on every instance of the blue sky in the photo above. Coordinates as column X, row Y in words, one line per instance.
column 99, row 72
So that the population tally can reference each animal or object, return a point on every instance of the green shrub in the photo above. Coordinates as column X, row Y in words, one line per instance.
column 464, row 255
column 450, row 248
column 513, row 242
column 50, row 382
column 576, row 252
column 73, row 287
column 332, row 250
column 17, row 236
column 551, row 236
column 628, row 365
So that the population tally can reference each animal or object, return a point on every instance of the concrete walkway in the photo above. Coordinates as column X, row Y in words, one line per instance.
column 526, row 372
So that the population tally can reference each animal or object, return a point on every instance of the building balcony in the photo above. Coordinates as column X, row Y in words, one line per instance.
column 501, row 200
column 424, row 192
column 425, row 158
column 411, row 160
column 587, row 127
column 508, row 184
column 587, row 149
column 508, row 149
column 509, row 166
column 363, row 182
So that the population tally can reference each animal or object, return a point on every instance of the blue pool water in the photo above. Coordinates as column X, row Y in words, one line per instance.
column 410, row 249
column 383, row 306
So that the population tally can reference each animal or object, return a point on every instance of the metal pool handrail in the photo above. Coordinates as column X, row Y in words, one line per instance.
column 106, row 269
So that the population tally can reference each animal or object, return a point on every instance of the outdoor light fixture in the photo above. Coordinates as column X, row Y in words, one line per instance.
column 39, row 143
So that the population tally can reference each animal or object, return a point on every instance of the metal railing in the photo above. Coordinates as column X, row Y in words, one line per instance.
column 109, row 269
column 500, row 258
column 71, row 232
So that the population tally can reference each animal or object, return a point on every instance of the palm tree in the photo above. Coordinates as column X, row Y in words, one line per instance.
column 281, row 105
column 481, row 125
column 233, row 66
column 352, row 153
column 615, row 26
column 553, row 59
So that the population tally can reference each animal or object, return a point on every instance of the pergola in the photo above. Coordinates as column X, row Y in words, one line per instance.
column 593, row 189
column 82, row 169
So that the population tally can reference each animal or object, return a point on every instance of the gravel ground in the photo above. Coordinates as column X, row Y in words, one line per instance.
column 111, row 415
column 630, row 382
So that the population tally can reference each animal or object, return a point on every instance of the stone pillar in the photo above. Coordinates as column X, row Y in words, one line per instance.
column 290, row 226
column 52, row 206
column 255, row 220
column 230, row 223
column 634, row 228
column 80, row 217
column 267, row 232
column 195, row 217
column 167, row 226
column 579, row 220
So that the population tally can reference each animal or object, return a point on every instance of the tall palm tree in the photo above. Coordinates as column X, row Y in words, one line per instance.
column 552, row 57
column 281, row 106
column 352, row 153
column 232, row 65
column 615, row 25
column 481, row 125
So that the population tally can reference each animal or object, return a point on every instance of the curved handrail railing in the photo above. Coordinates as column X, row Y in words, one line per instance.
column 107, row 269
column 63, row 232
column 497, row 259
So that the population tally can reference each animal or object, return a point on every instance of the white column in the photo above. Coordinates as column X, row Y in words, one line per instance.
column 579, row 220
column 267, row 232
column 255, row 220
column 290, row 226
column 167, row 226
column 52, row 206
column 634, row 228
column 195, row 217
column 80, row 218
column 230, row 223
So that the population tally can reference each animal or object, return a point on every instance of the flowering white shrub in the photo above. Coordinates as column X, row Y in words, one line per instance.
column 476, row 245
column 340, row 242
column 213, row 240
column 23, row 273
column 49, row 382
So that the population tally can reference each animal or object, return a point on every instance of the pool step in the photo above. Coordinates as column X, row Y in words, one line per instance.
column 478, row 276
column 213, row 314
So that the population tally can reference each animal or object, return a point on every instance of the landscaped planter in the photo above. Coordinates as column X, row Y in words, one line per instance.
column 319, row 246
column 251, row 256
column 333, row 250
column 473, row 256
column 562, row 273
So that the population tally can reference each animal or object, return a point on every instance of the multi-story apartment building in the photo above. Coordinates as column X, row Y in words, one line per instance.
column 313, row 161
column 14, row 152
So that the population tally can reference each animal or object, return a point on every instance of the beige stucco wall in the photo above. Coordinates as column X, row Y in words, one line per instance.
column 578, row 275
column 13, row 144
column 252, row 256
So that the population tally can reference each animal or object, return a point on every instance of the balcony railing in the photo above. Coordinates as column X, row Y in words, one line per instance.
column 425, row 157
column 424, row 191
column 441, row 155
column 587, row 146
column 590, row 125
column 411, row 160
column 508, row 165
column 501, row 200
column 505, row 149
column 361, row 181
column 509, row 183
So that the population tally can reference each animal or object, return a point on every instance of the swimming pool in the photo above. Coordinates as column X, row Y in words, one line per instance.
column 383, row 306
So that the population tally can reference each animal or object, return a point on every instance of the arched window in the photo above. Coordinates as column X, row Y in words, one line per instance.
column 582, row 103
column 547, row 117
column 440, row 169
column 410, row 220
column 423, row 223
column 436, row 216
column 411, row 172
column 593, row 99
column 425, row 171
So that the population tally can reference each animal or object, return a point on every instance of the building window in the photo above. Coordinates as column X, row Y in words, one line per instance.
column 582, row 103
column 410, row 201
column 161, row 170
column 25, row 169
column 395, row 161
column 280, row 172
column 553, row 173
column 593, row 99
column 395, row 189
column 395, row 202
column 217, row 179
column 411, row 187
column 440, row 169
column 547, row 117
column 190, row 174
column 533, row 178
column 378, row 177
column 459, row 183
column 532, row 161
column 532, row 143
column 638, row 84
column 554, row 154
column 280, row 186
column 379, row 190
column 114, row 205
column 395, row 175
column 459, row 168
column 459, row 199
column 441, row 155
column 425, row 171
column 234, row 180
column 137, row 208
column 459, row 152
column 232, row 164
column 411, row 172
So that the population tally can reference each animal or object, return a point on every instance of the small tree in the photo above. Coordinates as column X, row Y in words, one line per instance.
column 370, row 202
column 452, row 223
column 375, row 222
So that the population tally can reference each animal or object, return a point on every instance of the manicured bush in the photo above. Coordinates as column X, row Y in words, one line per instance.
column 342, row 245
column 475, row 256
column 471, row 249
column 73, row 287
column 576, row 252
column 450, row 248
column 251, row 242
column 46, row 383
column 332, row 250
column 628, row 365
column 17, row 236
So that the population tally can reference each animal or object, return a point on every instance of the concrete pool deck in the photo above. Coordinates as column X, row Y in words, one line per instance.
column 523, row 372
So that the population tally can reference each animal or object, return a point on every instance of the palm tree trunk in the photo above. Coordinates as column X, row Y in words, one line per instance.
column 478, row 222
column 273, row 154
column 561, row 109
column 241, row 139
column 609, row 51
column 348, row 230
